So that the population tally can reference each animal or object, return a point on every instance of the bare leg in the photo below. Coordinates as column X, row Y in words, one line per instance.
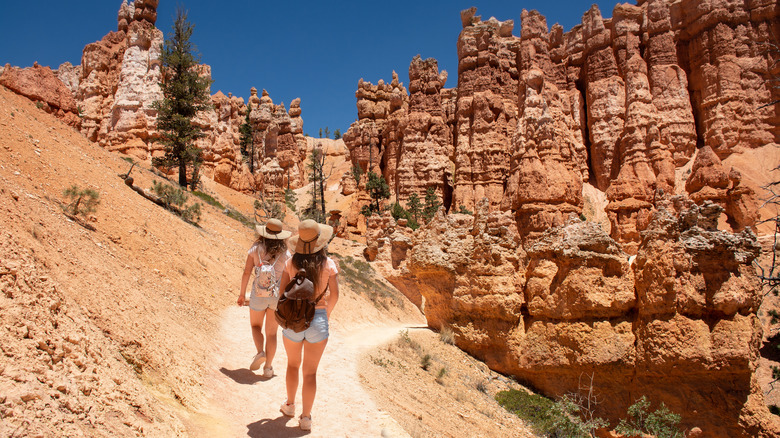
column 294, row 352
column 271, row 328
column 256, row 320
column 311, row 360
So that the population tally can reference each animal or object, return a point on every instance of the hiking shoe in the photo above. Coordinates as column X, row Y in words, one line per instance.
column 268, row 372
column 288, row 409
column 258, row 360
column 305, row 422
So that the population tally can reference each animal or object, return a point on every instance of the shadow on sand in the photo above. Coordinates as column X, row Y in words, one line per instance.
column 275, row 427
column 771, row 348
column 243, row 376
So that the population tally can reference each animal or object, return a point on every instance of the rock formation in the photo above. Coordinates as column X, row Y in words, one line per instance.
column 663, row 304
column 109, row 97
column 677, row 323
column 620, row 102
column 40, row 84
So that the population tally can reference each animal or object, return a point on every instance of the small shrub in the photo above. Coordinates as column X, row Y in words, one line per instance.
column 191, row 213
column 82, row 201
column 447, row 335
column 482, row 386
column 440, row 375
column 170, row 196
column 661, row 423
column 357, row 172
column 290, row 198
column 174, row 199
column 463, row 210
column 539, row 412
column 425, row 361
column 39, row 105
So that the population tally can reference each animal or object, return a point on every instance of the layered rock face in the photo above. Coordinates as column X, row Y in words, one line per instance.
column 618, row 102
column 676, row 324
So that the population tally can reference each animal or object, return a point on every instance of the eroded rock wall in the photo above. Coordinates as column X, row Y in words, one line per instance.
column 677, row 323
column 619, row 102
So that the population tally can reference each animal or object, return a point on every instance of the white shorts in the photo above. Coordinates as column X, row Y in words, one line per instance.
column 261, row 303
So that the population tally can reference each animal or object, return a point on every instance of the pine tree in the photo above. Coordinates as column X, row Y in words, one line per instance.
column 316, row 210
column 377, row 189
column 247, row 140
column 337, row 134
column 432, row 204
column 414, row 207
column 185, row 94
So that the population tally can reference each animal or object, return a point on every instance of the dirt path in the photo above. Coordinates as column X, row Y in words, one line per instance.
column 243, row 403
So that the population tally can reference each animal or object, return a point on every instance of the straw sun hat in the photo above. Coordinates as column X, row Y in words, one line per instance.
column 311, row 237
column 273, row 230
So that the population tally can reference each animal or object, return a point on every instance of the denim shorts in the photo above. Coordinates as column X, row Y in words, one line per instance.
column 317, row 331
column 261, row 303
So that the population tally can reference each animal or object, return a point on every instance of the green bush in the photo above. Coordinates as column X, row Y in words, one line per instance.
column 463, row 210
column 174, row 198
column 540, row 413
column 425, row 361
column 170, row 196
column 661, row 423
column 82, row 201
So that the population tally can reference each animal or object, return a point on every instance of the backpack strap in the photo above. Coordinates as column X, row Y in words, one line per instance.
column 321, row 295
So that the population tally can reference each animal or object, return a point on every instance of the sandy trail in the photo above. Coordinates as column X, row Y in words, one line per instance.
column 243, row 403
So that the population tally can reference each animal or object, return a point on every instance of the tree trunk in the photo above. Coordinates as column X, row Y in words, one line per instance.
column 182, row 173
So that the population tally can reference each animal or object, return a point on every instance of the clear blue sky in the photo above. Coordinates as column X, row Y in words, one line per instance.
column 315, row 50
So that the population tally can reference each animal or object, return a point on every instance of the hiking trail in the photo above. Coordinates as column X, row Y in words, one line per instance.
column 243, row 403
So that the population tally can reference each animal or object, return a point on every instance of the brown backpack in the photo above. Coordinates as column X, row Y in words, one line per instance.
column 295, row 309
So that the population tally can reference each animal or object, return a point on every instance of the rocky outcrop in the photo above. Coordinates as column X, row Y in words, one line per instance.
column 41, row 85
column 119, row 81
column 711, row 181
column 676, row 323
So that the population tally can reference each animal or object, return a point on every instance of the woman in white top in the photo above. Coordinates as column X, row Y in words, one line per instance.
column 304, row 349
column 267, row 258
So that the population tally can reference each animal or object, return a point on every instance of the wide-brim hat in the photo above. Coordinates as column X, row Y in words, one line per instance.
column 311, row 237
column 273, row 230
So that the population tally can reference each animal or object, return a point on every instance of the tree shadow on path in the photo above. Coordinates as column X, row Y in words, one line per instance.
column 243, row 376
column 274, row 427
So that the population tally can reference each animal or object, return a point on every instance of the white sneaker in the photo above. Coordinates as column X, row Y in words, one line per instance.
column 258, row 360
column 288, row 410
column 305, row 423
column 268, row 372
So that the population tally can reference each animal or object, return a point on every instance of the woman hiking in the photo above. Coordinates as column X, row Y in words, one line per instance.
column 304, row 349
column 267, row 258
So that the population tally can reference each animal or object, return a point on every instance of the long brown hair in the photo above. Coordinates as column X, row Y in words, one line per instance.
column 273, row 247
column 312, row 264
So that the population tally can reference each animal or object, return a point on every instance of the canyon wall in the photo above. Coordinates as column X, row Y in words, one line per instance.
column 649, row 108
column 109, row 98
column 619, row 103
